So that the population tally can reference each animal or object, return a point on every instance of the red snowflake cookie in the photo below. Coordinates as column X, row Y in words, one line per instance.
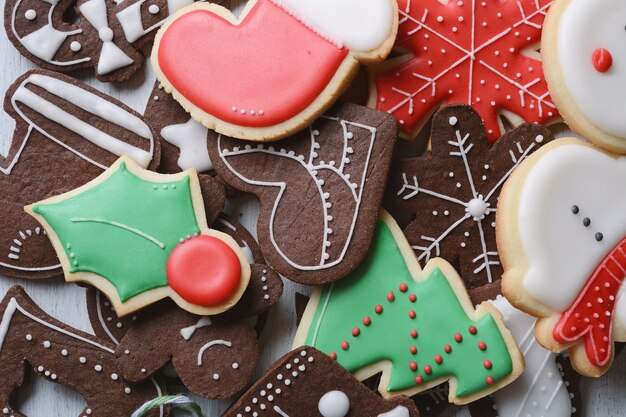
column 477, row 52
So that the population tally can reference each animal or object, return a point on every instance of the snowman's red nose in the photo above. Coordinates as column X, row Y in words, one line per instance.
column 602, row 60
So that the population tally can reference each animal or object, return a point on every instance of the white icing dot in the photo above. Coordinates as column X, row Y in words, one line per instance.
column 29, row 337
column 5, row 411
column 64, row 352
column 539, row 138
column 235, row 365
column 75, row 46
column 98, row 368
column 127, row 390
column 105, row 34
column 47, row 344
column 334, row 404
column 216, row 376
column 30, row 14
column 154, row 9
column 82, row 359
column 114, row 377
column 53, row 376
column 453, row 121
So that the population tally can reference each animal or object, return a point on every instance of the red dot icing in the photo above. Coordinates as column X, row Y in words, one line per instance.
column 473, row 330
column 367, row 321
column 404, row 287
column 333, row 356
column 390, row 296
column 447, row 348
column 458, row 338
column 291, row 67
column 482, row 346
column 356, row 331
column 204, row 271
column 428, row 370
column 602, row 60
column 419, row 379
column 487, row 364
column 438, row 359
column 413, row 350
column 345, row 345
column 489, row 380
column 378, row 309
column 413, row 366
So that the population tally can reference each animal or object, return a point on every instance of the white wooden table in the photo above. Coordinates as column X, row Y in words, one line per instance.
column 604, row 397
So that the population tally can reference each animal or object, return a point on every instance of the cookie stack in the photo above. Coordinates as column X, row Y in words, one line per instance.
column 404, row 157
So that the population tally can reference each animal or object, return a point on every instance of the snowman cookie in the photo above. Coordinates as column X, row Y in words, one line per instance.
column 305, row 53
column 561, row 237
column 583, row 55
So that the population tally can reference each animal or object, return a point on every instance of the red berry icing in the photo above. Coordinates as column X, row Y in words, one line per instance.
column 602, row 60
column 414, row 334
column 489, row 380
column 378, row 309
column 367, row 321
column 413, row 366
column 333, row 356
column 428, row 369
column 413, row 298
column 412, row 314
column 413, row 349
column 204, row 271
column 473, row 330
column 458, row 338
column 345, row 345
column 419, row 379
column 390, row 296
column 438, row 359
column 356, row 331
column 482, row 345
column 488, row 364
column 291, row 67
column 447, row 348
column 404, row 287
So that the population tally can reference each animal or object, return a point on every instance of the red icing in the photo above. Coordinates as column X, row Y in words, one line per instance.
column 590, row 316
column 491, row 79
column 602, row 60
column 270, row 63
column 204, row 271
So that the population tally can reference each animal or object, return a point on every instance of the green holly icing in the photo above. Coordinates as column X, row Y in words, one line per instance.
column 124, row 229
column 379, row 313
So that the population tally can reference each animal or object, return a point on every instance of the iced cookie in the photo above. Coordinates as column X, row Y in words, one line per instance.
column 560, row 231
column 325, row 183
column 140, row 236
column 582, row 49
column 275, row 69
column 416, row 326
column 307, row 383
column 452, row 191
column 29, row 338
column 66, row 133
column 480, row 53
column 68, row 35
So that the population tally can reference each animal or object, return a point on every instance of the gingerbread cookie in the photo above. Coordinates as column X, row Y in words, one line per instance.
column 105, row 36
column 214, row 357
column 305, row 53
column 66, row 134
column 325, row 183
column 582, row 50
column 416, row 326
column 29, row 338
column 307, row 383
column 473, row 52
column 140, row 236
column 452, row 192
column 560, row 231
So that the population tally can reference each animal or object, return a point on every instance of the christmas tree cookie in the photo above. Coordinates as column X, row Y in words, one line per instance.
column 416, row 326
column 140, row 236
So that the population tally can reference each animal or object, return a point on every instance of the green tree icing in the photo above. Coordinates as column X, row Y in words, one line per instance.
column 410, row 334
column 124, row 229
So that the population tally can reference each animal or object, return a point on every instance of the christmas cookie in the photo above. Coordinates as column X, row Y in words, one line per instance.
column 304, row 55
column 140, row 236
column 416, row 326
column 31, row 339
column 478, row 52
column 560, row 231
column 307, row 383
column 183, row 140
column 452, row 192
column 582, row 49
column 66, row 133
column 68, row 35
column 214, row 357
column 325, row 183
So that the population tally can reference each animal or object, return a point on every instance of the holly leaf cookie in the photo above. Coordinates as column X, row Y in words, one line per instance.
column 452, row 192
column 305, row 54
column 416, row 326
column 560, row 232
column 582, row 48
column 140, row 236
column 68, row 35
column 307, row 383
column 320, row 190
column 66, row 133
column 29, row 338
column 478, row 52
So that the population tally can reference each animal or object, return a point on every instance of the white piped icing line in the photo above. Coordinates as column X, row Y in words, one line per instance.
column 313, row 166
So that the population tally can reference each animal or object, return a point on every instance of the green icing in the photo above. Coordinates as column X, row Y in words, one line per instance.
column 439, row 316
column 124, row 229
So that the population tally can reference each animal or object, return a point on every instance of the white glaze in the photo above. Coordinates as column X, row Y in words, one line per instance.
column 585, row 26
column 540, row 390
column 190, row 137
column 561, row 252
column 361, row 25
column 399, row 411
column 334, row 404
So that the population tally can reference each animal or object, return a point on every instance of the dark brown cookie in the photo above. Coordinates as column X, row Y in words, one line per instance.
column 103, row 35
column 307, row 383
column 320, row 190
column 29, row 338
column 214, row 357
column 66, row 134
column 452, row 191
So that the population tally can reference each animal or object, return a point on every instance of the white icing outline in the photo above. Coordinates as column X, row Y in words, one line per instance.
column 217, row 342
column 310, row 168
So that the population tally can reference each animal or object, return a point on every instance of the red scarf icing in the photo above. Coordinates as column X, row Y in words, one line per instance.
column 591, row 315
